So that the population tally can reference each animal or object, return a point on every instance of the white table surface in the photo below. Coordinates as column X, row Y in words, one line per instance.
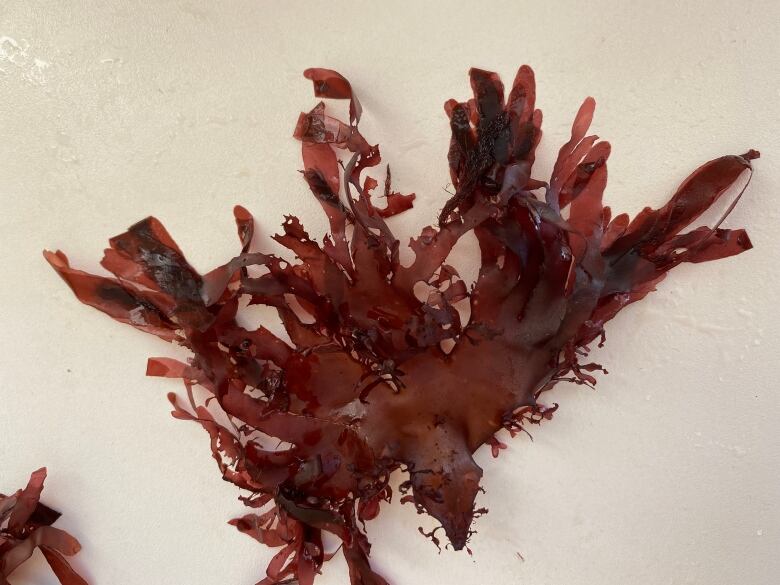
column 111, row 111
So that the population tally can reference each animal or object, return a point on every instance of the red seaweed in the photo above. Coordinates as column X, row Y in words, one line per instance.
column 377, row 379
column 26, row 524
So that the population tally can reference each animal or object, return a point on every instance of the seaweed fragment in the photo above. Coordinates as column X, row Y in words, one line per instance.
column 26, row 525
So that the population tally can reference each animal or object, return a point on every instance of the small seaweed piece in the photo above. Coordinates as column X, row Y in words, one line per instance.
column 26, row 524
column 376, row 379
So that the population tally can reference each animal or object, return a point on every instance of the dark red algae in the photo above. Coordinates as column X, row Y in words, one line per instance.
column 26, row 525
column 377, row 379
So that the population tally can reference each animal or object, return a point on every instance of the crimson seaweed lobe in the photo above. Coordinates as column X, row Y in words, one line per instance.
column 365, row 388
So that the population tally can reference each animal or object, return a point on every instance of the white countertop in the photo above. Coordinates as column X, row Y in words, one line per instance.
column 668, row 473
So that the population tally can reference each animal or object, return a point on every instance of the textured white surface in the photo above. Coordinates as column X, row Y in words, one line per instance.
column 110, row 111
